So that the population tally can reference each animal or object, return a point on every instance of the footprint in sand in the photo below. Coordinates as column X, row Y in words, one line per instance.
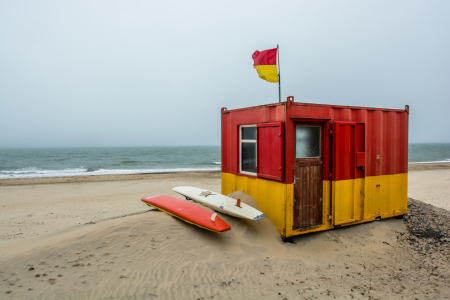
column 78, row 265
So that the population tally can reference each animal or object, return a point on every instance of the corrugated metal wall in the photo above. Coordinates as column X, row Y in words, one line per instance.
column 367, row 179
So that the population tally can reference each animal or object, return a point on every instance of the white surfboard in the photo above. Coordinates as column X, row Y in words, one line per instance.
column 220, row 203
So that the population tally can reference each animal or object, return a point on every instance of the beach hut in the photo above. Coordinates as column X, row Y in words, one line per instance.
column 313, row 167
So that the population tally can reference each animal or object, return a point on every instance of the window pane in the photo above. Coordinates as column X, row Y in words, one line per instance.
column 248, row 133
column 307, row 142
column 249, row 157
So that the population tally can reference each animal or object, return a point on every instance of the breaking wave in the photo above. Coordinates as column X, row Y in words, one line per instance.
column 34, row 172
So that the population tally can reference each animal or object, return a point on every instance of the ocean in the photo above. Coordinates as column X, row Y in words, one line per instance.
column 28, row 163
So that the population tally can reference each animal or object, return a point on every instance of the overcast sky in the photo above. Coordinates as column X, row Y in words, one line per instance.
column 152, row 73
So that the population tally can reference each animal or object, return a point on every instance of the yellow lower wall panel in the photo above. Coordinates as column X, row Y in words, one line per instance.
column 269, row 195
column 345, row 202
column 394, row 195
column 348, row 200
column 378, row 196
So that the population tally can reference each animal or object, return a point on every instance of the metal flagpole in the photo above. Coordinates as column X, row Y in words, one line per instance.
column 279, row 80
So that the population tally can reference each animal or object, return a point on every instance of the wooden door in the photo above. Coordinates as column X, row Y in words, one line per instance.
column 308, row 186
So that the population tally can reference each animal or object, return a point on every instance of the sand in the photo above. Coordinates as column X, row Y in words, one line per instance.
column 92, row 238
column 51, row 205
column 430, row 183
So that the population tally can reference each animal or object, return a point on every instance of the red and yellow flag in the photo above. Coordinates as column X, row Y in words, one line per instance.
column 265, row 63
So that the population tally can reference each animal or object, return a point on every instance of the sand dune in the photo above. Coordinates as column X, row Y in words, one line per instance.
column 151, row 255
column 54, row 206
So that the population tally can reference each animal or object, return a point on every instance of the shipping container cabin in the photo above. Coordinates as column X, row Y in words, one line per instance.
column 313, row 167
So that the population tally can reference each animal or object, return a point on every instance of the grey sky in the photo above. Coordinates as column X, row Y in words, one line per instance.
column 149, row 73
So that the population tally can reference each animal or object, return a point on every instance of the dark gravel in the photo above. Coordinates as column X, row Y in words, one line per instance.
column 428, row 228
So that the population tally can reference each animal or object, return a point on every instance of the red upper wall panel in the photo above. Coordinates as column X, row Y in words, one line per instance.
column 231, row 120
column 385, row 135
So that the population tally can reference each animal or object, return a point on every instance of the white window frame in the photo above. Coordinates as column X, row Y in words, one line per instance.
column 240, row 149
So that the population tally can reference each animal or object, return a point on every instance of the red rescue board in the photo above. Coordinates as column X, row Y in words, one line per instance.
column 188, row 212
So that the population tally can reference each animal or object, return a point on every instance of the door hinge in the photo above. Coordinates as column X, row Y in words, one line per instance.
column 329, row 217
column 330, row 175
column 330, row 131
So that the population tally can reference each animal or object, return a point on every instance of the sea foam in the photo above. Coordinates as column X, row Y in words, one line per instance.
column 33, row 172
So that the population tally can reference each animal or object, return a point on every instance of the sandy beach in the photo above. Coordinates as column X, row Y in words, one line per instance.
column 92, row 238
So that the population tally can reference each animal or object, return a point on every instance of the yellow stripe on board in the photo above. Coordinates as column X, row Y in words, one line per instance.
column 187, row 221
